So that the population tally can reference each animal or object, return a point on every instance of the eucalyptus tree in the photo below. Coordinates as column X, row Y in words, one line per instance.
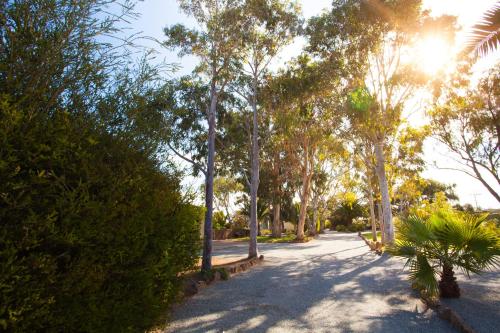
column 270, row 26
column 277, row 152
column 377, row 37
column 367, row 160
column 217, row 43
column 224, row 189
column 274, row 160
column 466, row 120
column 406, row 164
column 306, row 90
column 320, row 184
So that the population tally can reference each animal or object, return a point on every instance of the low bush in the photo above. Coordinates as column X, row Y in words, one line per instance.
column 265, row 232
column 341, row 228
column 356, row 227
column 360, row 223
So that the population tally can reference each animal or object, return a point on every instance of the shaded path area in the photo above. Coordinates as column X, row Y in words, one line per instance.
column 332, row 284
column 479, row 303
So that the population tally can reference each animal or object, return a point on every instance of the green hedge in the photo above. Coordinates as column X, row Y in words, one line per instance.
column 93, row 235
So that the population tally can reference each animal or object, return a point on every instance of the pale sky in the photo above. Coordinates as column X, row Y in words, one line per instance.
column 156, row 14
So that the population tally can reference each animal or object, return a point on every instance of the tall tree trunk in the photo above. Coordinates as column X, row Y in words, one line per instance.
column 254, row 182
column 304, row 197
column 384, row 191
column 321, row 224
column 369, row 173
column 206, row 262
column 276, row 226
column 313, row 224
column 322, row 218
column 372, row 211
column 381, row 221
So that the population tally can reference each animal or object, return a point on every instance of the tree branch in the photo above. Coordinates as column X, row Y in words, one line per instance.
column 197, row 165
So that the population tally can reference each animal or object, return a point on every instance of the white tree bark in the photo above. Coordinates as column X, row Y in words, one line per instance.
column 384, row 190
column 276, row 226
column 305, row 191
column 372, row 211
column 312, row 225
column 206, row 263
column 254, row 182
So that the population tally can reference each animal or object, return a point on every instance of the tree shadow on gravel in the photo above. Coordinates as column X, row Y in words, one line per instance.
column 322, row 293
column 479, row 304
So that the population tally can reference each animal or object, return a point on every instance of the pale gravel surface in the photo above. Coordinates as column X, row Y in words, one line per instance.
column 333, row 284
column 479, row 303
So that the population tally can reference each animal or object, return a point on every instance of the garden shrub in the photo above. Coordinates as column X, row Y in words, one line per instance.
column 356, row 227
column 341, row 228
column 93, row 234
column 265, row 232
column 360, row 224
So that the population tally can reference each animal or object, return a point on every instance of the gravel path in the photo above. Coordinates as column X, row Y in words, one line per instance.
column 479, row 303
column 333, row 284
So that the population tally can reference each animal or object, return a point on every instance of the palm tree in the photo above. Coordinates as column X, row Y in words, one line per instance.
column 436, row 245
column 485, row 35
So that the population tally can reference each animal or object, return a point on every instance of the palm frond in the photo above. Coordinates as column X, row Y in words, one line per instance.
column 423, row 274
column 446, row 237
column 485, row 35
column 402, row 248
column 416, row 230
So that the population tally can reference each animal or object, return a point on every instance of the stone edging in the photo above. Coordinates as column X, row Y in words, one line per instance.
column 193, row 284
column 446, row 313
column 374, row 246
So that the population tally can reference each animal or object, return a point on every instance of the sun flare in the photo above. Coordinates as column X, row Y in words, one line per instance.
column 433, row 54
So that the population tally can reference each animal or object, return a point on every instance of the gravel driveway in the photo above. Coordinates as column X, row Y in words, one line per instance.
column 332, row 284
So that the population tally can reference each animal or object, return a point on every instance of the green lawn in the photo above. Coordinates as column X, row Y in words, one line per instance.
column 368, row 235
column 268, row 239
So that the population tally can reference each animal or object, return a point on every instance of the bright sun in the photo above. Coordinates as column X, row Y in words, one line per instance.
column 433, row 54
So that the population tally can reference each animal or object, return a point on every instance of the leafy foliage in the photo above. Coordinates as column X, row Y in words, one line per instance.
column 467, row 121
column 94, row 232
column 485, row 35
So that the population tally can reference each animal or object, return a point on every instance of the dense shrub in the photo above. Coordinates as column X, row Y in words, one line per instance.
column 93, row 235
column 239, row 226
column 355, row 228
column 341, row 228
column 360, row 224
column 265, row 232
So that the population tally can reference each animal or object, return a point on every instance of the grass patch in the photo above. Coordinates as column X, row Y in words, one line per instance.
column 368, row 235
column 289, row 238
